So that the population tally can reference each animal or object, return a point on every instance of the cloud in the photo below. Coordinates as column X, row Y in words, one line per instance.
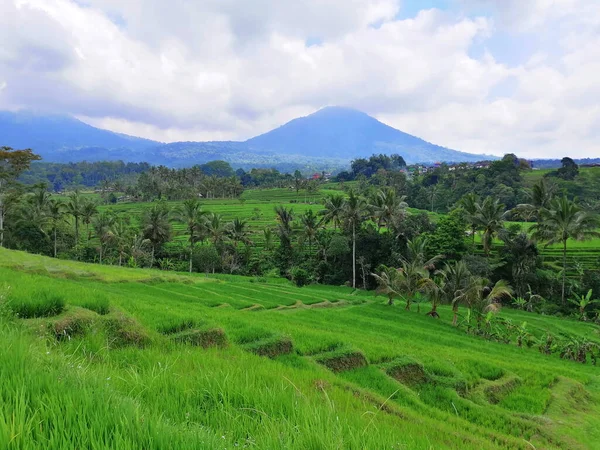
column 225, row 69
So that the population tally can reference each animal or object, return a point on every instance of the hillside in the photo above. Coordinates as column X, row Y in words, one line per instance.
column 344, row 132
column 325, row 140
column 61, row 138
column 146, row 359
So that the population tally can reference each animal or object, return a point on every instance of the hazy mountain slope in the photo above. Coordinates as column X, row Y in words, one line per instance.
column 347, row 133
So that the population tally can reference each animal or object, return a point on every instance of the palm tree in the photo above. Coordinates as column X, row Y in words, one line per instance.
column 191, row 215
column 480, row 298
column 334, row 206
column 238, row 231
column 387, row 282
column 490, row 218
column 103, row 224
column 561, row 221
column 456, row 277
column 385, row 205
column 413, row 279
column 469, row 203
column 56, row 214
column 353, row 214
column 541, row 196
column 268, row 237
column 156, row 226
column 120, row 234
column 311, row 226
column 215, row 228
column 75, row 208
column 88, row 210
column 416, row 251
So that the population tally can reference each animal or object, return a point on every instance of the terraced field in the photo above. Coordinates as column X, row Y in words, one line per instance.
column 144, row 359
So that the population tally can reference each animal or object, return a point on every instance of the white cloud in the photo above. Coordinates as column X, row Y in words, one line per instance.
column 228, row 69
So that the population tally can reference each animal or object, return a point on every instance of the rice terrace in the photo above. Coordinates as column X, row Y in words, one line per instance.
column 308, row 225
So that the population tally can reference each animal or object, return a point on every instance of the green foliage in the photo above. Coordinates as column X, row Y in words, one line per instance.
column 41, row 303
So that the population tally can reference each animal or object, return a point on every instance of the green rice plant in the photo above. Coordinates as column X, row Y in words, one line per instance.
column 342, row 359
column 123, row 330
column 41, row 303
column 99, row 304
column 176, row 325
column 271, row 347
column 207, row 337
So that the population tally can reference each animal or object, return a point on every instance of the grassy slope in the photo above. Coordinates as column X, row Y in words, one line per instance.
column 460, row 391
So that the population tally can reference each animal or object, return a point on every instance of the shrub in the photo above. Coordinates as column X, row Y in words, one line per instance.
column 40, row 304
column 299, row 276
column 98, row 304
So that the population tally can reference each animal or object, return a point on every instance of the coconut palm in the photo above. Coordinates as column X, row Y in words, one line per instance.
column 541, row 196
column 237, row 231
column 490, row 218
column 56, row 214
column 456, row 277
column 120, row 235
column 156, row 227
column 480, row 298
column 215, row 229
column 311, row 225
column 561, row 221
column 385, row 205
column 88, row 210
column 268, row 238
column 469, row 203
column 334, row 206
column 387, row 282
column 353, row 214
column 74, row 208
column 191, row 215
column 413, row 279
column 102, row 225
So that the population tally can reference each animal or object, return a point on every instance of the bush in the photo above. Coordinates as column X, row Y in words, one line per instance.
column 299, row 276
column 123, row 330
column 98, row 304
column 74, row 323
column 40, row 304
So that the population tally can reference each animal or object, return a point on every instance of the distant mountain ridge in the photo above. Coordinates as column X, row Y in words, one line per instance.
column 330, row 137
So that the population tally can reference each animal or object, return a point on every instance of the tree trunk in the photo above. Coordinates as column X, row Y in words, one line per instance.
column 55, row 242
column 76, row 231
column 1, row 223
column 152, row 257
column 100, row 253
column 354, row 256
column 564, row 274
column 454, row 316
column 120, row 259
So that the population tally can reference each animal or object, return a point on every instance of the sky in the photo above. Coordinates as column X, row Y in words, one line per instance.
column 482, row 76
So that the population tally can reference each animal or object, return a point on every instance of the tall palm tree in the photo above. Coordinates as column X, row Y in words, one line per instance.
column 156, row 226
column 469, row 203
column 481, row 298
column 191, row 215
column 490, row 217
column 456, row 277
column 311, row 226
column 353, row 214
column 103, row 224
column 56, row 214
column 285, row 218
column 334, row 206
column 88, row 210
column 74, row 208
column 561, row 221
column 268, row 238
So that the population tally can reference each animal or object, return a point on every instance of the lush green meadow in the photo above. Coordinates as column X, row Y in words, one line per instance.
column 144, row 359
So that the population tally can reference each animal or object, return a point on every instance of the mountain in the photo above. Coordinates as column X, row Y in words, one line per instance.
column 327, row 139
column 348, row 133
column 61, row 138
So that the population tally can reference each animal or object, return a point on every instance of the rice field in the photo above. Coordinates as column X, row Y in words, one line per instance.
column 136, row 358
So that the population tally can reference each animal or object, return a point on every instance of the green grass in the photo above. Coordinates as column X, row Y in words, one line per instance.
column 190, row 362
